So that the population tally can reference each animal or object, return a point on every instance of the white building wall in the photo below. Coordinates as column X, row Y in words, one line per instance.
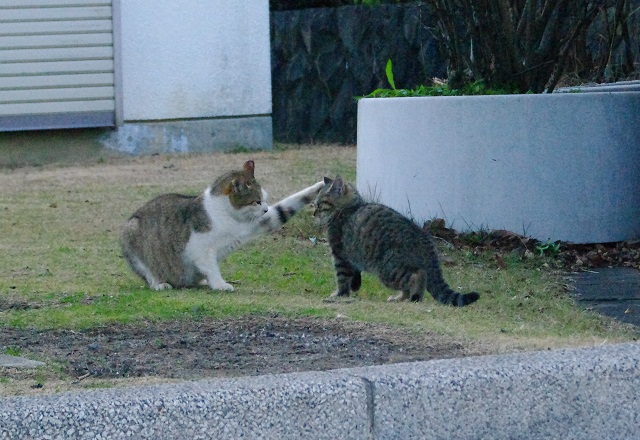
column 184, row 59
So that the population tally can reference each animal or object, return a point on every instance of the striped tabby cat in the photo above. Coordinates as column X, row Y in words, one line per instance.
column 177, row 241
column 374, row 238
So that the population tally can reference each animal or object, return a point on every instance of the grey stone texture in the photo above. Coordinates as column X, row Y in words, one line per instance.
column 588, row 393
column 611, row 291
column 573, row 394
column 323, row 58
column 269, row 407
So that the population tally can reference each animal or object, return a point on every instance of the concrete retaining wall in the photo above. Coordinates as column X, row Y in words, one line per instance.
column 569, row 394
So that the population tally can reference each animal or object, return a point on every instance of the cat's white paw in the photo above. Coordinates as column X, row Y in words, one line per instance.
column 399, row 297
column 162, row 286
column 222, row 286
column 335, row 294
column 315, row 188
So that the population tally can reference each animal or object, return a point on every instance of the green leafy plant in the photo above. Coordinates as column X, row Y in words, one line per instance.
column 548, row 248
column 11, row 351
column 439, row 88
column 389, row 72
column 505, row 47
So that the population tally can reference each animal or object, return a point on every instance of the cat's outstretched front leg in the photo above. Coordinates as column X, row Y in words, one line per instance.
column 281, row 212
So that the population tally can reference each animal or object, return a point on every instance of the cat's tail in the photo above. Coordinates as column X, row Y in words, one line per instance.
column 450, row 297
column 440, row 290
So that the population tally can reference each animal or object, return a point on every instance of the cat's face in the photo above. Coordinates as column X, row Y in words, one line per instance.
column 244, row 192
column 249, row 199
column 334, row 195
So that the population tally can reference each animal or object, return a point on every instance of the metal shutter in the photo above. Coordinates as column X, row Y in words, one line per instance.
column 56, row 64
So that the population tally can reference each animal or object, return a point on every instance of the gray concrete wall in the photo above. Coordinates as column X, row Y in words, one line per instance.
column 139, row 138
column 590, row 393
column 191, row 136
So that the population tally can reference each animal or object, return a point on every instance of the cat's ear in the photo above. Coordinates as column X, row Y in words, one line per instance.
column 249, row 167
column 337, row 187
column 327, row 181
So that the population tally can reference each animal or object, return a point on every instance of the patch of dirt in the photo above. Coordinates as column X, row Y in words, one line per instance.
column 191, row 349
column 562, row 255
column 16, row 304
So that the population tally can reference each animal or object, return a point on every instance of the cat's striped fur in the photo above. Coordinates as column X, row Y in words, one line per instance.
column 372, row 237
column 177, row 241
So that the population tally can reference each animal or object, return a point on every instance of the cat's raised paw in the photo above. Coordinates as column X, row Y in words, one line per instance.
column 318, row 186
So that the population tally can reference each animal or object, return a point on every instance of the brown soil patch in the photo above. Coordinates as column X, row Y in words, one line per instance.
column 206, row 348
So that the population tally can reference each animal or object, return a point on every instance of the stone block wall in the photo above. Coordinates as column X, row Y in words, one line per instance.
column 323, row 58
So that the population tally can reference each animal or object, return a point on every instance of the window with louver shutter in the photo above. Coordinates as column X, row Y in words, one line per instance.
column 56, row 64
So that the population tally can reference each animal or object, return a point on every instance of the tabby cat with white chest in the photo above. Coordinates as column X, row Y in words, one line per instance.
column 371, row 237
column 178, row 240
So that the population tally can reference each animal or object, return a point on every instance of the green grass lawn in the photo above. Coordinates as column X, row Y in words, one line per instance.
column 60, row 259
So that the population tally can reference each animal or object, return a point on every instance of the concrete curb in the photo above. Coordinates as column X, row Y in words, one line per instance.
column 568, row 394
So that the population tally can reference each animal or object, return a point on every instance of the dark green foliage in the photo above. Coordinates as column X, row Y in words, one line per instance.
column 523, row 44
column 474, row 88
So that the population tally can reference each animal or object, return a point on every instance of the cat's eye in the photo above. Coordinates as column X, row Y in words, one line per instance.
column 258, row 202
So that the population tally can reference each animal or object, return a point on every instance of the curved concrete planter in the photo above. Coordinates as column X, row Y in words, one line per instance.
column 553, row 167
